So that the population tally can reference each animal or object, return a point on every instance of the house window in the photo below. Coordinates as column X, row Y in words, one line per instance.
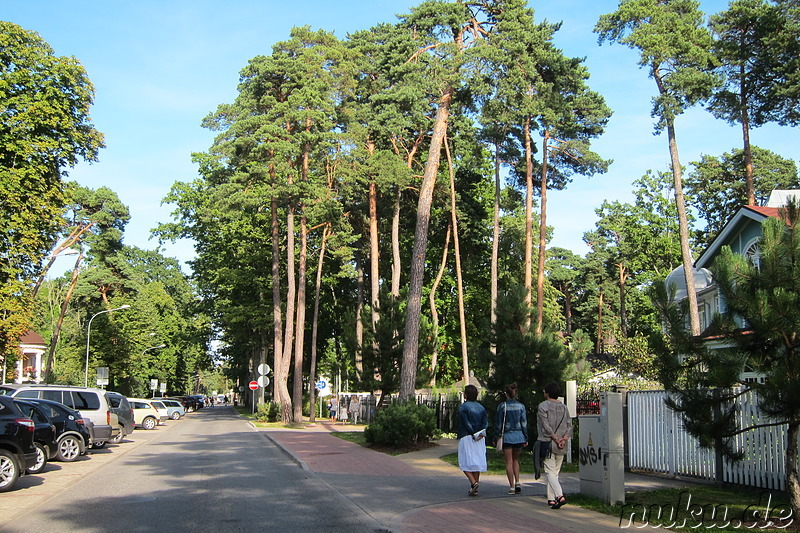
column 753, row 253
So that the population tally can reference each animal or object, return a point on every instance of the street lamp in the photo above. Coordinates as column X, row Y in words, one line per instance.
column 89, row 332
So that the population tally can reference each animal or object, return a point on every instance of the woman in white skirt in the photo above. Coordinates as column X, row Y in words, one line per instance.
column 472, row 424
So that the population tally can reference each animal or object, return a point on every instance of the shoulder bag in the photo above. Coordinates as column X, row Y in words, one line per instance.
column 499, row 444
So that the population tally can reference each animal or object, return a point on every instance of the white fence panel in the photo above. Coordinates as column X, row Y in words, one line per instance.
column 658, row 443
column 764, row 449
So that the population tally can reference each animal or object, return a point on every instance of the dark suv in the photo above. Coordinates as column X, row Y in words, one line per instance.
column 17, row 452
column 124, row 411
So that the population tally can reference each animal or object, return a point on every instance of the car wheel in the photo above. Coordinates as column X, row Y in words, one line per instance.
column 149, row 423
column 175, row 415
column 41, row 459
column 9, row 470
column 99, row 445
column 69, row 449
column 119, row 437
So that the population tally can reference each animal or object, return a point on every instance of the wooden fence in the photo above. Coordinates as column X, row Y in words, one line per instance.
column 657, row 442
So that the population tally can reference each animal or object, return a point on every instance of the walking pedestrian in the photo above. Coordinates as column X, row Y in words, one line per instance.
column 354, row 408
column 555, row 429
column 333, row 405
column 472, row 424
column 513, row 423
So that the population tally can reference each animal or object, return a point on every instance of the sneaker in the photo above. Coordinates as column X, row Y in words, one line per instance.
column 511, row 490
column 517, row 488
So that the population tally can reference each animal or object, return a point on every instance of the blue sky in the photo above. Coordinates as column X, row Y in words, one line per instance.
column 159, row 67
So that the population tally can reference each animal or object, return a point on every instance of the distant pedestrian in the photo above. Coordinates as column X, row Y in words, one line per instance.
column 354, row 408
column 555, row 429
column 333, row 404
column 472, row 424
column 513, row 423
column 343, row 411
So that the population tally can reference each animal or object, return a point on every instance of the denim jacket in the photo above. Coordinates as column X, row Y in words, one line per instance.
column 516, row 426
column 472, row 418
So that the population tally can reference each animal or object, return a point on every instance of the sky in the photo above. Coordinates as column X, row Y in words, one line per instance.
column 159, row 67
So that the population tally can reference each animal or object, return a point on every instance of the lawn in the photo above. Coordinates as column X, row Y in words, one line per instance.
column 699, row 507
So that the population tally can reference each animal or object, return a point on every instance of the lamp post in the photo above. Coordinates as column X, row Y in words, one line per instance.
column 88, row 333
column 153, row 348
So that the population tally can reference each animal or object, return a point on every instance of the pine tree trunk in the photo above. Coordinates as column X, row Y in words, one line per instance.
column 359, row 326
column 542, row 240
column 287, row 413
column 748, row 153
column 396, row 265
column 408, row 371
column 462, row 320
column 434, row 311
column 623, row 314
column 281, row 392
column 495, row 252
column 48, row 367
column 297, row 385
column 374, row 262
column 683, row 221
column 792, row 480
column 528, row 274
column 312, row 375
column 599, row 345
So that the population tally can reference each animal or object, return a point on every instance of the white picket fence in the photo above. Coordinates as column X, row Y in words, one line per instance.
column 658, row 443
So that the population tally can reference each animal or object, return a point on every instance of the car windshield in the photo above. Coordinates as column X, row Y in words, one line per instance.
column 4, row 391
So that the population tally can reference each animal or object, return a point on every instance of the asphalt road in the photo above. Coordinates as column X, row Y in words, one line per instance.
column 209, row 472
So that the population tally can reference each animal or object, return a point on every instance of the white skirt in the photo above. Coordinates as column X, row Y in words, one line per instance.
column 472, row 454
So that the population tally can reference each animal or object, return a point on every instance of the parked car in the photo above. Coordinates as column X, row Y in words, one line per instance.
column 163, row 412
column 92, row 403
column 44, row 434
column 73, row 433
column 200, row 399
column 175, row 409
column 17, row 451
column 144, row 414
column 122, row 408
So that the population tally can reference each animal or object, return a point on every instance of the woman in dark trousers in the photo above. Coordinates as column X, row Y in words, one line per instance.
column 512, row 422
column 472, row 424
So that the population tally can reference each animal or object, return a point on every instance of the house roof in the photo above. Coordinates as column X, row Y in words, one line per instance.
column 752, row 212
column 31, row 337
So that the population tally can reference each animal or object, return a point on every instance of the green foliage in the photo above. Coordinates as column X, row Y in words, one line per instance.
column 524, row 358
column 44, row 129
column 402, row 425
column 717, row 185
column 756, row 334
column 268, row 412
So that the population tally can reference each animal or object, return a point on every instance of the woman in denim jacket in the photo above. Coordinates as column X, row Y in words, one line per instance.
column 515, row 435
column 472, row 423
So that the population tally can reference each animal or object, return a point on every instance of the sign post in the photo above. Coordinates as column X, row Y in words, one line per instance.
column 254, row 387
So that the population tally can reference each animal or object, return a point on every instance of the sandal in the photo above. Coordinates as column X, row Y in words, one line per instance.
column 551, row 503
column 561, row 500
column 473, row 490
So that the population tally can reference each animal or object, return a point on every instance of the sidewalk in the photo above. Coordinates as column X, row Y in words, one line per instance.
column 418, row 492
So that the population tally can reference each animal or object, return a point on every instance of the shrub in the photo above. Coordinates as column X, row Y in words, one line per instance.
column 402, row 425
column 268, row 412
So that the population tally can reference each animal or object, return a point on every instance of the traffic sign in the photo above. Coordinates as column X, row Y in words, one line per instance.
column 253, row 385
column 263, row 369
column 321, row 384
column 263, row 381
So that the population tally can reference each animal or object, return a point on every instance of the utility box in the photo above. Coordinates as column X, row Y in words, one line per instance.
column 602, row 451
